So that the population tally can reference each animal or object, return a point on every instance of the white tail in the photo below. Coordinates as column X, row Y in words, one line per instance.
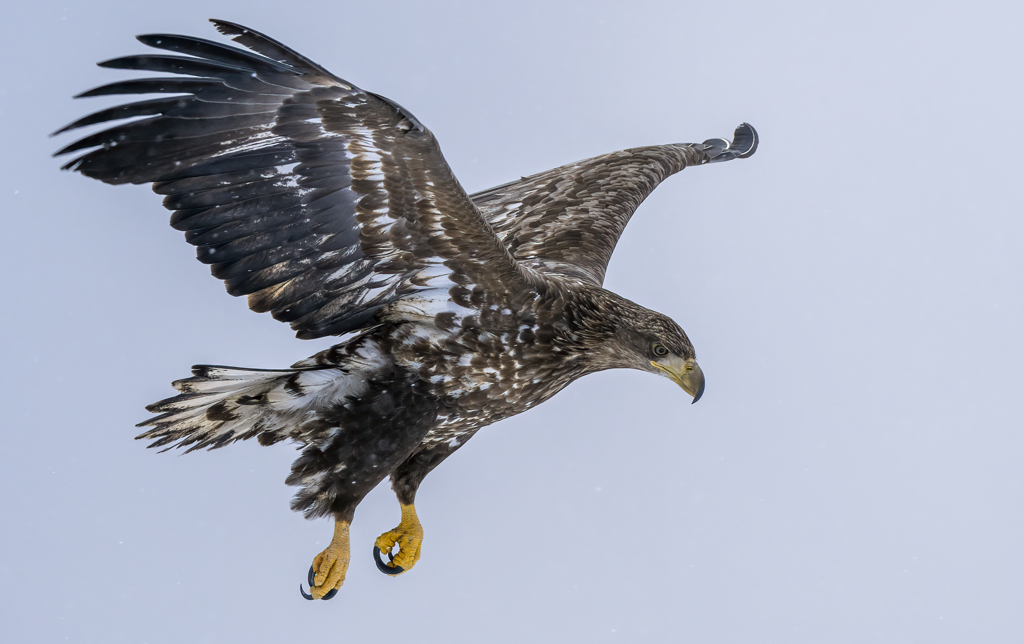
column 220, row 405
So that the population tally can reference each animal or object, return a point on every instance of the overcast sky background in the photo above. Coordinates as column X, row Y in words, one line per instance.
column 852, row 474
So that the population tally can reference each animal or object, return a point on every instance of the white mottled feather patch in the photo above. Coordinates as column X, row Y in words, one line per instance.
column 225, row 404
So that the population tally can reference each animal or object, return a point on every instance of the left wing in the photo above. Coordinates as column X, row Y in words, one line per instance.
column 566, row 221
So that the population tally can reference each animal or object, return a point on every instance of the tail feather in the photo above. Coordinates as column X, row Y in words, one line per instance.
column 219, row 405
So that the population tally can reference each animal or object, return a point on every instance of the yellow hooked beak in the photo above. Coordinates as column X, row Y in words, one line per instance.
column 685, row 373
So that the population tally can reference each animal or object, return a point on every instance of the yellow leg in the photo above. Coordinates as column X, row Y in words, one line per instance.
column 331, row 565
column 408, row 536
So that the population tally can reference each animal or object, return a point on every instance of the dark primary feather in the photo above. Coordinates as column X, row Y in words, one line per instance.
column 321, row 202
column 263, row 44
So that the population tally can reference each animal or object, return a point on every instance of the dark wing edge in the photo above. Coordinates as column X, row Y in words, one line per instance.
column 319, row 201
column 743, row 145
column 567, row 221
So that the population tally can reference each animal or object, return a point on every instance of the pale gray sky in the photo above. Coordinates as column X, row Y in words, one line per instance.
column 852, row 474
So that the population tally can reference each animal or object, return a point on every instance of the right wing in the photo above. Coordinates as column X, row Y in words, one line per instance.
column 321, row 202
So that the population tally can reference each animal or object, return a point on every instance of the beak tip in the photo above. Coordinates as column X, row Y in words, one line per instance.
column 700, row 390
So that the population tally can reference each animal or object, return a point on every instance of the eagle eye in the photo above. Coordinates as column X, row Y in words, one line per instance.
column 660, row 350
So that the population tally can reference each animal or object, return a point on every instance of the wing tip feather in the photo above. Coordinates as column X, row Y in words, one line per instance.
column 228, row 28
column 273, row 49
column 743, row 145
column 745, row 138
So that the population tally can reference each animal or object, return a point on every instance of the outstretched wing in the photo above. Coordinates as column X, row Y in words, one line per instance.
column 321, row 202
column 566, row 221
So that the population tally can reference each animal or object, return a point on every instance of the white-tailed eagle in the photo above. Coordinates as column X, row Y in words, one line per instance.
column 333, row 208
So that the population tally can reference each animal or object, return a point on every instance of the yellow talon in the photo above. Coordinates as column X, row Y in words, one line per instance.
column 408, row 536
column 331, row 565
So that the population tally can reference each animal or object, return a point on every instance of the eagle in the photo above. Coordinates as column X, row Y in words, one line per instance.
column 333, row 209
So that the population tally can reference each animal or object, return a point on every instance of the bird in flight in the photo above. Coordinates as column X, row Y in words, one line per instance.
column 332, row 208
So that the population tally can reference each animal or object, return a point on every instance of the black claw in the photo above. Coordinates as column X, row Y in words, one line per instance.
column 310, row 579
column 383, row 567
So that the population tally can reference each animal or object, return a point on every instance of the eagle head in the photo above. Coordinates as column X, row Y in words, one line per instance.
column 633, row 337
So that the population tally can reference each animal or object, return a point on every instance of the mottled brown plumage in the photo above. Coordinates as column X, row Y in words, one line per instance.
column 333, row 209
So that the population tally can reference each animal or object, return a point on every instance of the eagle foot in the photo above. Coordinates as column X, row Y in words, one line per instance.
column 408, row 536
column 327, row 573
